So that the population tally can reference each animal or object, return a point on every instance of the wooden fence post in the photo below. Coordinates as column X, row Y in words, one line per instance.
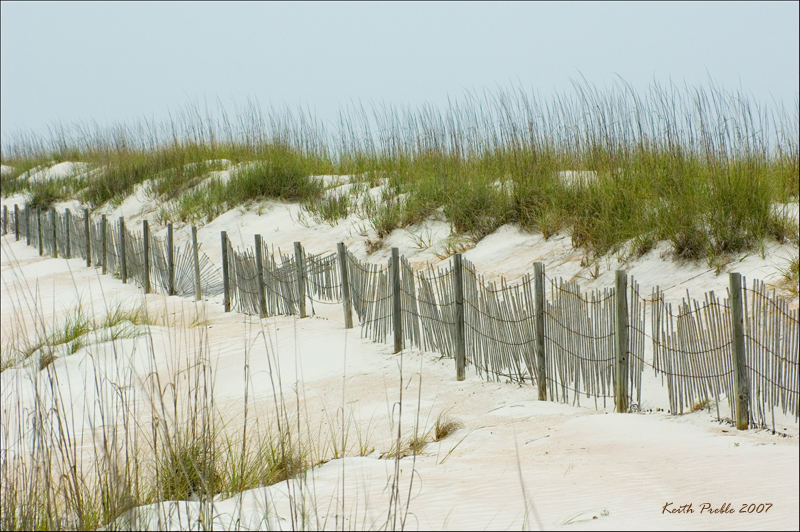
column 541, row 367
column 16, row 222
column 122, row 256
column 27, row 225
column 348, row 305
column 67, row 229
column 299, row 262
column 262, row 296
column 39, row 230
column 170, row 261
column 397, row 319
column 740, row 385
column 226, row 297
column 88, row 240
column 621, row 340
column 146, row 246
column 458, row 289
column 198, row 293
column 55, row 231
column 104, row 251
column 5, row 219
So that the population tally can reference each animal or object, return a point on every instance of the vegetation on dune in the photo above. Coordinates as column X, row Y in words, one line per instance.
column 697, row 167
column 75, row 332
column 160, row 431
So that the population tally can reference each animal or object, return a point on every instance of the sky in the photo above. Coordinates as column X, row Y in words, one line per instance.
column 109, row 62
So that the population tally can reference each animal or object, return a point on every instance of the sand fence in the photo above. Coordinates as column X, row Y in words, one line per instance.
column 572, row 345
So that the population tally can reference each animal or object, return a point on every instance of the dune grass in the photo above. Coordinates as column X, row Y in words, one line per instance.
column 76, row 330
column 698, row 167
column 445, row 426
column 155, row 430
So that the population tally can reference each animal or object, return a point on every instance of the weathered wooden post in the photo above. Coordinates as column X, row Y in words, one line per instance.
column 67, row 230
column 170, row 261
column 300, row 264
column 541, row 367
column 39, row 230
column 226, row 296
column 198, row 294
column 55, row 231
column 27, row 225
column 621, row 340
column 262, row 296
column 5, row 219
column 458, row 290
column 740, row 384
column 88, row 240
column 397, row 321
column 103, row 250
column 122, row 256
column 146, row 249
column 348, row 305
column 16, row 222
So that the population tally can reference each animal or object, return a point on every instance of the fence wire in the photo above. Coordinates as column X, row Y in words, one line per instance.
column 692, row 342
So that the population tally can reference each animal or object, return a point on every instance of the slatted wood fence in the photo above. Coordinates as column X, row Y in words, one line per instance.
column 573, row 345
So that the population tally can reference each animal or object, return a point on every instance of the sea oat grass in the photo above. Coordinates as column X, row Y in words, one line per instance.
column 698, row 167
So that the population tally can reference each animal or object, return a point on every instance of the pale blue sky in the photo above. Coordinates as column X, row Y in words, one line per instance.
column 107, row 62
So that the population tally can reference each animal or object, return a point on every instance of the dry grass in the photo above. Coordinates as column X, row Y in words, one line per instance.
column 445, row 426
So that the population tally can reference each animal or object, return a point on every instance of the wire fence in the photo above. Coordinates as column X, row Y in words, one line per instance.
column 588, row 350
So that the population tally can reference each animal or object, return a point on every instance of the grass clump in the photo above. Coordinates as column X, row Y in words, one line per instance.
column 136, row 315
column 477, row 209
column 412, row 445
column 284, row 179
column 44, row 194
column 790, row 276
column 74, row 332
column 330, row 209
column 188, row 466
column 178, row 180
column 71, row 335
column 274, row 458
column 445, row 426
column 205, row 202
column 385, row 216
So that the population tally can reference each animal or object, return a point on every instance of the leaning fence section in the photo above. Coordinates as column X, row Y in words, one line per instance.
column 370, row 292
column 576, row 346
column 134, row 250
column 691, row 351
column 772, row 354
column 436, row 310
column 693, row 346
column 499, row 327
column 242, row 280
column 323, row 281
column 579, row 338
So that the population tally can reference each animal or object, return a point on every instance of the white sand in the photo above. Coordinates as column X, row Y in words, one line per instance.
column 578, row 468
column 516, row 462
column 58, row 171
